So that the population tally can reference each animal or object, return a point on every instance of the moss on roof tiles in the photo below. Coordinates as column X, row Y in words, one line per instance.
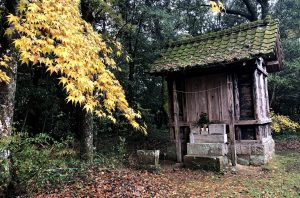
column 241, row 42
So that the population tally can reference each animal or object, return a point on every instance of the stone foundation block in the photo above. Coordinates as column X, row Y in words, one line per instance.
column 205, row 163
column 243, row 160
column 217, row 129
column 258, row 160
column 216, row 138
column 148, row 158
column 258, row 149
column 246, row 149
column 207, row 149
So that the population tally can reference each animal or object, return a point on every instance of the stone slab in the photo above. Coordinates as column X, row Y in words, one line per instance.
column 246, row 149
column 205, row 163
column 258, row 160
column 148, row 157
column 217, row 129
column 243, row 160
column 199, row 138
column 207, row 149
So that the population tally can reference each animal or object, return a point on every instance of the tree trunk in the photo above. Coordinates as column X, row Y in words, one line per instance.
column 265, row 8
column 86, row 122
column 86, row 136
column 7, row 99
column 7, row 91
column 7, row 96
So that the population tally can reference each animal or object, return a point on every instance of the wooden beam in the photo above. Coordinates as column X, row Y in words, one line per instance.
column 231, row 118
column 272, row 63
column 262, row 70
column 252, row 122
column 176, row 121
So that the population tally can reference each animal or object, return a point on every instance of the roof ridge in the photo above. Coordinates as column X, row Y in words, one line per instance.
column 238, row 28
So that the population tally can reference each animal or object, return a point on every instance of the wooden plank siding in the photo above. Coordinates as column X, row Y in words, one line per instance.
column 207, row 94
column 247, row 96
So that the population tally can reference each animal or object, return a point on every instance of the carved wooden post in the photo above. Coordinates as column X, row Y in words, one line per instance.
column 176, row 121
column 231, row 119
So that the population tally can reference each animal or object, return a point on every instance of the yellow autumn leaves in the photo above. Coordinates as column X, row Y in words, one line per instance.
column 282, row 123
column 4, row 65
column 53, row 34
column 216, row 6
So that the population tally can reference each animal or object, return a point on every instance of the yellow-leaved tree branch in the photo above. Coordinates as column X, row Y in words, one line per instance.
column 4, row 66
column 52, row 33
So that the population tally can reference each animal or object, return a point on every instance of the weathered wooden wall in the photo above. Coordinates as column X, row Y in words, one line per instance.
column 207, row 94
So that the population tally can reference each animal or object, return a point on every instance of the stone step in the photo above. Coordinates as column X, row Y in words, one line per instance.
column 207, row 149
column 210, row 138
column 213, row 163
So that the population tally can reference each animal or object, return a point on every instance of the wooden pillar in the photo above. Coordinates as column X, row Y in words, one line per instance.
column 231, row 118
column 176, row 123
column 236, row 97
column 267, row 97
column 255, row 95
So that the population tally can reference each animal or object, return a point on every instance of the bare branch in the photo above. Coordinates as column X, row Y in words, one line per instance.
column 239, row 13
column 265, row 8
column 251, row 8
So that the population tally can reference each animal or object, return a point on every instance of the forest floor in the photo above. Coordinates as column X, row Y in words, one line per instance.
column 280, row 178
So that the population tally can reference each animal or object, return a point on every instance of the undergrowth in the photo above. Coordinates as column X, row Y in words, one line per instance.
column 40, row 163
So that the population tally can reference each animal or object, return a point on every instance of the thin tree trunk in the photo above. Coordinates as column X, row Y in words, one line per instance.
column 86, row 136
column 86, row 119
column 7, row 99
column 7, row 93
column 265, row 8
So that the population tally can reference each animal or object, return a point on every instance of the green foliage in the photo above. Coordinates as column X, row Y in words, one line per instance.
column 38, row 161
column 284, row 87
column 114, row 156
column 287, row 12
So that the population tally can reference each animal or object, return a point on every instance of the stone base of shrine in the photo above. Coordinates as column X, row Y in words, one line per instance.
column 255, row 153
column 211, row 163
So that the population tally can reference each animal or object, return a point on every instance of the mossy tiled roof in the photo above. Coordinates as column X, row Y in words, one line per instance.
column 243, row 42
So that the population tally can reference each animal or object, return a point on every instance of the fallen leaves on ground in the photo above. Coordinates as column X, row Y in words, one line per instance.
column 167, row 183
column 278, row 179
column 287, row 145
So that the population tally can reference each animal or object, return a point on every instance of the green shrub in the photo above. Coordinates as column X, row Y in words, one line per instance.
column 38, row 161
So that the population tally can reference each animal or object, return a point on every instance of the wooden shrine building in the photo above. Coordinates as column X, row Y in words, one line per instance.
column 223, row 76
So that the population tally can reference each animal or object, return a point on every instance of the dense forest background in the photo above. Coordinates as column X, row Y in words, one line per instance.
column 144, row 27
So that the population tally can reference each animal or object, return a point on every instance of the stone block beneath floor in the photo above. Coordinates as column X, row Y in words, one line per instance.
column 205, row 163
column 258, row 160
column 243, row 160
